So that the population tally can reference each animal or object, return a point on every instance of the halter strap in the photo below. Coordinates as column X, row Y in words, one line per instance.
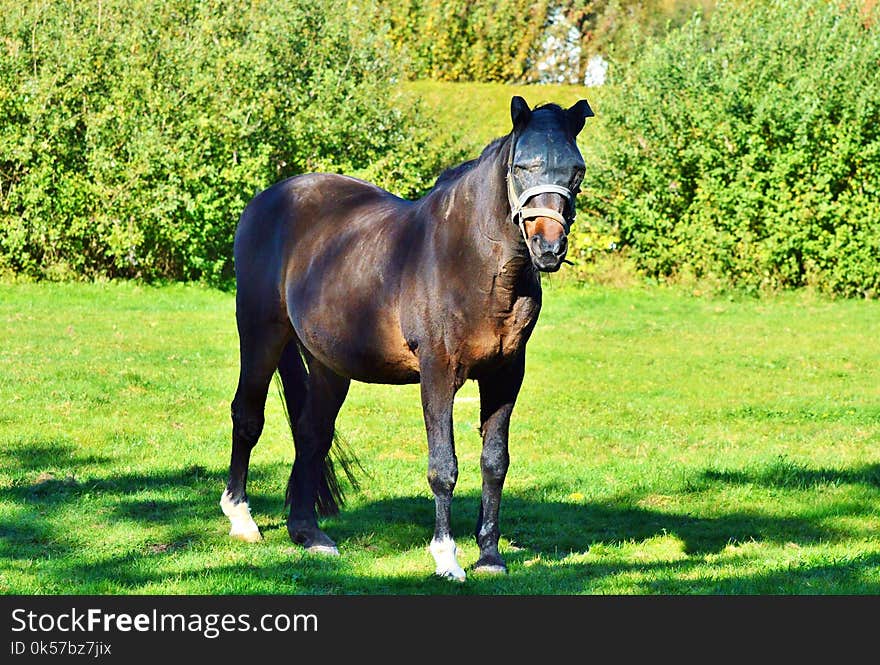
column 518, row 209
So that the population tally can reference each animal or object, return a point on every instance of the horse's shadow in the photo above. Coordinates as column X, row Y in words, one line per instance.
column 556, row 529
column 535, row 524
column 177, row 502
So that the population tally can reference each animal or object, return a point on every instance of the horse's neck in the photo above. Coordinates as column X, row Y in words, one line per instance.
column 479, row 212
column 486, row 225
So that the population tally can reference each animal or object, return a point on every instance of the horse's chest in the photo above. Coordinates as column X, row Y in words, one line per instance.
column 505, row 331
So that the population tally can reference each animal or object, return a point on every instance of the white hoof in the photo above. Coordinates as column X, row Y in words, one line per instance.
column 491, row 569
column 447, row 564
column 242, row 526
column 457, row 575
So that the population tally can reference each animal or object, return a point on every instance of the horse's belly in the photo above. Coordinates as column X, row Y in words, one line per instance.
column 361, row 347
column 373, row 366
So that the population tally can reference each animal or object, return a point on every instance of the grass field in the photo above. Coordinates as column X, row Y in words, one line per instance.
column 663, row 443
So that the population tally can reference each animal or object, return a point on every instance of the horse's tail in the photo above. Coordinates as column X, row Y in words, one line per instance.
column 291, row 380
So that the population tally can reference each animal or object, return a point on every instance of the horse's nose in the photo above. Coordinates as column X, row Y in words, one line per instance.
column 558, row 246
column 541, row 246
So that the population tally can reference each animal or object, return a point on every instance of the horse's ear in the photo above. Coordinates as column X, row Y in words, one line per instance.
column 519, row 113
column 577, row 115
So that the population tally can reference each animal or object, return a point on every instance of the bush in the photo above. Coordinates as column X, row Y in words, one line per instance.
column 132, row 134
column 548, row 41
column 746, row 148
column 463, row 40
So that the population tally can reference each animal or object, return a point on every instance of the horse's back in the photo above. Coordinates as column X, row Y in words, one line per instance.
column 289, row 208
column 331, row 251
column 305, row 214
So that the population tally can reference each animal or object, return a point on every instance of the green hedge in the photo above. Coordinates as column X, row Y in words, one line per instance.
column 463, row 40
column 506, row 40
column 133, row 132
column 746, row 149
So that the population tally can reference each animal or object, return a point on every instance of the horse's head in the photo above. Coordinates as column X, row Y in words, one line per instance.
column 544, row 174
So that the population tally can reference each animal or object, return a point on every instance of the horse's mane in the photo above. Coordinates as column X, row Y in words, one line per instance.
column 453, row 173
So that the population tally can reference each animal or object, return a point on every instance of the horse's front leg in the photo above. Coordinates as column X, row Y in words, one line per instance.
column 439, row 385
column 498, row 394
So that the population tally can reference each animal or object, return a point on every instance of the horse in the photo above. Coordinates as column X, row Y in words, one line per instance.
column 340, row 280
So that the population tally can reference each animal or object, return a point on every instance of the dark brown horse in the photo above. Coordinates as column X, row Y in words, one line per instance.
column 337, row 280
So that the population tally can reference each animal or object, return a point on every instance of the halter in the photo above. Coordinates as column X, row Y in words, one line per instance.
column 519, row 213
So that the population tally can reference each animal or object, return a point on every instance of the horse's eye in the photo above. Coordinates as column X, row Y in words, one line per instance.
column 577, row 178
column 533, row 166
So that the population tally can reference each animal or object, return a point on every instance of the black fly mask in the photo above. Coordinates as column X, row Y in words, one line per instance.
column 545, row 159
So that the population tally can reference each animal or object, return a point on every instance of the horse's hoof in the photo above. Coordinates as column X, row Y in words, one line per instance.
column 323, row 550
column 246, row 535
column 312, row 538
column 490, row 564
column 455, row 575
column 444, row 553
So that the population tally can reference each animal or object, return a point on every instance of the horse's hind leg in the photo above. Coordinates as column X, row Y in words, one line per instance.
column 313, row 436
column 260, row 349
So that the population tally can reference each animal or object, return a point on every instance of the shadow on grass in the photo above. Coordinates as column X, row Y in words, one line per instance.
column 787, row 474
column 551, row 528
column 182, row 505
column 310, row 575
column 46, row 455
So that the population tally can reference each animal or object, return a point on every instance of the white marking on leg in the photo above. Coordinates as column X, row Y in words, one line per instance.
column 239, row 514
column 444, row 555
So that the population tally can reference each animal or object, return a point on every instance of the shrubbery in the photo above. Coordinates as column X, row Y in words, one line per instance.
column 746, row 149
column 464, row 40
column 132, row 134
column 515, row 40
column 742, row 148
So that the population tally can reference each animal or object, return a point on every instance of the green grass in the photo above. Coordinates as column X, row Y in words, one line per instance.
column 662, row 444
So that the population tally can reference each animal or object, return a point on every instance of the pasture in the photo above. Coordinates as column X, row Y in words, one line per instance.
column 663, row 443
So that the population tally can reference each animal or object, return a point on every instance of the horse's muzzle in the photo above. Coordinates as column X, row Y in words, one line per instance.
column 547, row 255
